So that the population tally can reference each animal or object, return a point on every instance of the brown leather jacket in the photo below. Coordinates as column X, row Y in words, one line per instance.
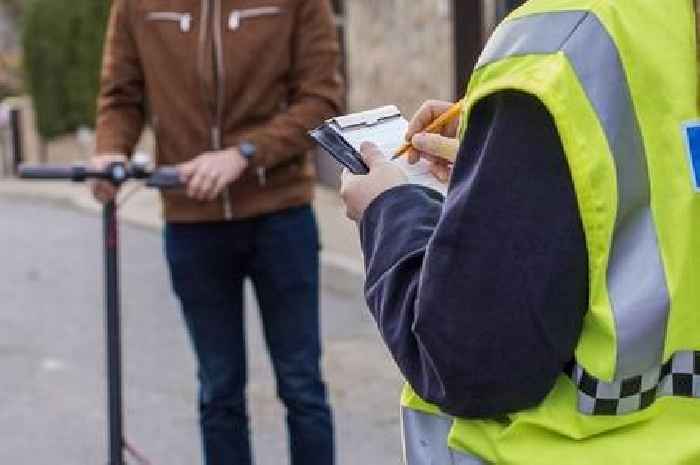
column 215, row 73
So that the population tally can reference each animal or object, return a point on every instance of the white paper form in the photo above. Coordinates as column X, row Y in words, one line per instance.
column 386, row 128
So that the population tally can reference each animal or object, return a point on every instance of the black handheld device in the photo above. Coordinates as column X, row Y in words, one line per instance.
column 339, row 148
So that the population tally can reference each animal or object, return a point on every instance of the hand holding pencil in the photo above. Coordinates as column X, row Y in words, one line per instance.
column 432, row 135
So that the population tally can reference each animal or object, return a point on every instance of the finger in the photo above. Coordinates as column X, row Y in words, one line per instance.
column 194, row 187
column 436, row 145
column 102, row 197
column 101, row 162
column 97, row 192
column 207, row 181
column 434, row 159
column 426, row 114
column 413, row 156
column 452, row 128
column 371, row 154
column 345, row 181
column 103, row 191
column 207, row 187
column 345, row 176
column 217, row 188
column 208, row 190
column 351, row 214
column 97, row 163
column 107, row 191
column 440, row 171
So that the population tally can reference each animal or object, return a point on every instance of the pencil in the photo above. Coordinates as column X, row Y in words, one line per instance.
column 436, row 126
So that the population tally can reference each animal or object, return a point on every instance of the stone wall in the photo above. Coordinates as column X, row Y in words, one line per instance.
column 399, row 52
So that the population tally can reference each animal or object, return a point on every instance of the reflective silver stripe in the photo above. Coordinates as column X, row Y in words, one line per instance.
column 636, row 280
column 425, row 440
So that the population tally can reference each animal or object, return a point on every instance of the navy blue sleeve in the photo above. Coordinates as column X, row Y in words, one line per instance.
column 480, row 298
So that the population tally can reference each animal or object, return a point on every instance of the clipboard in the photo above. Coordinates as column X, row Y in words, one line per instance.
column 342, row 136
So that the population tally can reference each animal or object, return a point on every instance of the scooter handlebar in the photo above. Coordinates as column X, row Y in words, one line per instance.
column 50, row 172
column 167, row 177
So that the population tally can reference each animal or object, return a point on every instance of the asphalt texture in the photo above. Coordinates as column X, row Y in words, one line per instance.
column 52, row 370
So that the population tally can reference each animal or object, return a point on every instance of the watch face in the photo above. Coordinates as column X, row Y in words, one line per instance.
column 247, row 149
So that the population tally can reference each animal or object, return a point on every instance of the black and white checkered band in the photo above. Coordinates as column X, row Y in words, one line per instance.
column 679, row 377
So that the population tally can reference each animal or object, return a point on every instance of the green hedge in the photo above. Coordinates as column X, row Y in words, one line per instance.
column 62, row 41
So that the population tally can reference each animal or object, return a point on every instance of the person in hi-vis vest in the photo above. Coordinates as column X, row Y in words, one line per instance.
column 547, row 310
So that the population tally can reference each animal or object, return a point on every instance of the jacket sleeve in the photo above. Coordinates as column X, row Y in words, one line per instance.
column 315, row 85
column 480, row 300
column 120, row 109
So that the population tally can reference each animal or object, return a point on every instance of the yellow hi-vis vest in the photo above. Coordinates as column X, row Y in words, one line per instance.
column 620, row 80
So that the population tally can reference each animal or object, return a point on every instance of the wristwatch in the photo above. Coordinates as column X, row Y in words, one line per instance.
column 247, row 149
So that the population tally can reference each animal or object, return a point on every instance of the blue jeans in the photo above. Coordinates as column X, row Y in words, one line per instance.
column 208, row 263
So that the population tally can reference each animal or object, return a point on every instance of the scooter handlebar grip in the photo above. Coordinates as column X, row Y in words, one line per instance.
column 165, row 178
column 47, row 172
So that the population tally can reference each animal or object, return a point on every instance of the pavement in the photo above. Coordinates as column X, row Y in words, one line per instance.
column 52, row 388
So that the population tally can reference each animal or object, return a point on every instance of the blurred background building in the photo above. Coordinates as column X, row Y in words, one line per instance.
column 404, row 51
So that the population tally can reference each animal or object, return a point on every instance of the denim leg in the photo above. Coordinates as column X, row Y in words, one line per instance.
column 285, row 276
column 207, row 266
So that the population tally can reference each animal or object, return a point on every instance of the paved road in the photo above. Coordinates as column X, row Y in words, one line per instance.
column 51, row 354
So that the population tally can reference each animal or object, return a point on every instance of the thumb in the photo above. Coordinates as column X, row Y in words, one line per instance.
column 436, row 145
column 371, row 154
column 186, row 170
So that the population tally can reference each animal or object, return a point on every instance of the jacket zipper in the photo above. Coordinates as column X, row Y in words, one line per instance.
column 219, row 83
column 236, row 16
column 184, row 19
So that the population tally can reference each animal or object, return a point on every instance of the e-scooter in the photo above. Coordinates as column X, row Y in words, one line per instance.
column 117, row 174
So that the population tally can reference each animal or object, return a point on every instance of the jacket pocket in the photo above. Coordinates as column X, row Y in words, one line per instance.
column 237, row 17
column 184, row 20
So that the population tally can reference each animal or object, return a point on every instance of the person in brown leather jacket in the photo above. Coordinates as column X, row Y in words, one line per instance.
column 232, row 87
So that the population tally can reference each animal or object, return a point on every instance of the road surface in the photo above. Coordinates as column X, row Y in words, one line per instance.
column 52, row 391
